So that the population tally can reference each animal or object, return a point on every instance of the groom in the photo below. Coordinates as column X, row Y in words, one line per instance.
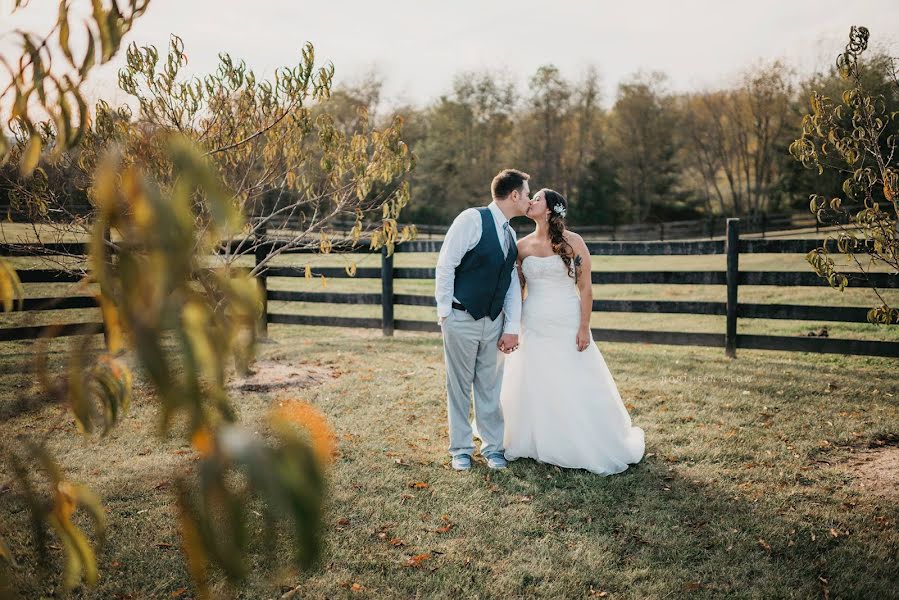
column 476, row 285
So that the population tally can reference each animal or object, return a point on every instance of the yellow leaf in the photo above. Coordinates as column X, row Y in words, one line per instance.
column 63, row 21
column 192, row 544
column 303, row 414
column 64, row 505
column 30, row 156
column 112, row 324
column 202, row 441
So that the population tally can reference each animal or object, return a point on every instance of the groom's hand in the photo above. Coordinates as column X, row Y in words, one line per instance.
column 508, row 343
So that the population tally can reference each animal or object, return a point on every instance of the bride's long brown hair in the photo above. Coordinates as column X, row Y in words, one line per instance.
column 556, row 224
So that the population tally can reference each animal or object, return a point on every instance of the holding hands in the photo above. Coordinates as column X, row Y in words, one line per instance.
column 508, row 343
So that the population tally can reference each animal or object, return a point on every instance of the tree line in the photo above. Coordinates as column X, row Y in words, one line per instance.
column 653, row 155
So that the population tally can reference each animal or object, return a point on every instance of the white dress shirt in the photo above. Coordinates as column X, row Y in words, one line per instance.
column 463, row 235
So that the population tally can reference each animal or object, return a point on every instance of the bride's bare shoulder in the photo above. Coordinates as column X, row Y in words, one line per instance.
column 525, row 242
column 573, row 238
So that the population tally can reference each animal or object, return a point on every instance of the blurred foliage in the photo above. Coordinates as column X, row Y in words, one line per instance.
column 211, row 166
column 55, row 507
column 857, row 137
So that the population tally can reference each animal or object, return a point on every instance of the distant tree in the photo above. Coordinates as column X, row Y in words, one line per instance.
column 643, row 141
column 467, row 140
column 544, row 128
column 734, row 141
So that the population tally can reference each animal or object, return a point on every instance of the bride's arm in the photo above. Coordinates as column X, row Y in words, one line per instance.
column 521, row 280
column 585, row 288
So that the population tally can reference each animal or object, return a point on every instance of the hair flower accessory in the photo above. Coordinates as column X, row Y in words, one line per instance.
column 560, row 210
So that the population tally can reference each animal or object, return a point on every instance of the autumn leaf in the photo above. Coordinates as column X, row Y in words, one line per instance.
column 303, row 414
column 415, row 561
column 445, row 528
column 202, row 441
column 764, row 545
column 419, row 485
column 397, row 542
column 692, row 586
column 357, row 587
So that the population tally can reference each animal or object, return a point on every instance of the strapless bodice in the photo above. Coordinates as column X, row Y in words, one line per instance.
column 552, row 305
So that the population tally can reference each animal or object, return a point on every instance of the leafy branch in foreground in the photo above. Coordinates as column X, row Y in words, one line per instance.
column 858, row 137
column 207, row 164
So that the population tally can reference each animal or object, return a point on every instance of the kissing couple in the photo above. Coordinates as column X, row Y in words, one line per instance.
column 515, row 319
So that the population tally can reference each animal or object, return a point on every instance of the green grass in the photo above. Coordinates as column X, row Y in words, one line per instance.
column 743, row 492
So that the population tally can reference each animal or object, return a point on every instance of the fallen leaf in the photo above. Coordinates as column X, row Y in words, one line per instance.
column 764, row 545
column 445, row 528
column 397, row 542
column 419, row 485
column 692, row 586
column 416, row 560
column 179, row 592
column 356, row 587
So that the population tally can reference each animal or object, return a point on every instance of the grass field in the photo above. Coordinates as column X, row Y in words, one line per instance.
column 770, row 476
column 763, row 478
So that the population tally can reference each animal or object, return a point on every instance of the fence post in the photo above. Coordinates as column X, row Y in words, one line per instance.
column 259, row 256
column 732, row 247
column 386, row 292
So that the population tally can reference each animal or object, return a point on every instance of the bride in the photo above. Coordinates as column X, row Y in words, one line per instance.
column 559, row 401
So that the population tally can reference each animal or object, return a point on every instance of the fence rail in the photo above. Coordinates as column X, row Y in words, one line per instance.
column 732, row 277
column 710, row 227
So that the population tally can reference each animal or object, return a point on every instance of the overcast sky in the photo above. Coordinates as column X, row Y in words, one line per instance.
column 419, row 45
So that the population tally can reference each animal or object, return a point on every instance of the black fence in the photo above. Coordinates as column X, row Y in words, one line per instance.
column 732, row 246
column 761, row 223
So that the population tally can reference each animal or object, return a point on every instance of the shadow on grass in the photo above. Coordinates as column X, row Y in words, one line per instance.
column 670, row 535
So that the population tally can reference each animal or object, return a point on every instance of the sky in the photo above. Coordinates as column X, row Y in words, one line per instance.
column 419, row 46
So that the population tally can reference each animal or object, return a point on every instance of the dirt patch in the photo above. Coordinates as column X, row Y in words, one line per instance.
column 271, row 375
column 876, row 471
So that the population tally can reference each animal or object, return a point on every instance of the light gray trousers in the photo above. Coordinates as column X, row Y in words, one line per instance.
column 473, row 363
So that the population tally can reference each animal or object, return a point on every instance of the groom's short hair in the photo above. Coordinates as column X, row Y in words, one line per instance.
column 507, row 181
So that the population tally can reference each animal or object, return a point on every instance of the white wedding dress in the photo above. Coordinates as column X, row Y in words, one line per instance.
column 562, row 406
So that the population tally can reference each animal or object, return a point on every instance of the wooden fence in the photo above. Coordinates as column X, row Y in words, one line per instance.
column 709, row 227
column 732, row 246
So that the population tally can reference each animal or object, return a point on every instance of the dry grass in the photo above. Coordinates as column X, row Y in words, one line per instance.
column 750, row 486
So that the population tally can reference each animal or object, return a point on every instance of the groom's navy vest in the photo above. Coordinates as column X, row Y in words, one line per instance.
column 484, row 274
